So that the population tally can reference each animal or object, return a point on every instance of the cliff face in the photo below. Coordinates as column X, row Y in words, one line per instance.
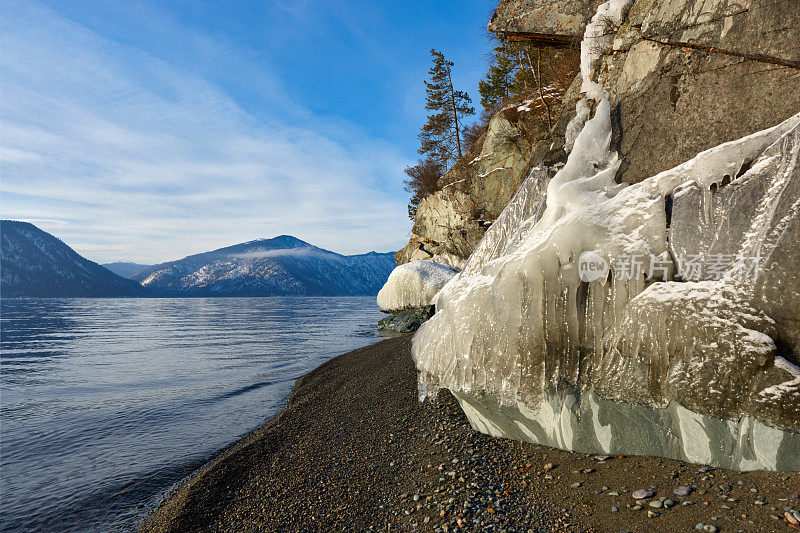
column 691, row 75
column 683, row 76
column 450, row 223
column 688, row 166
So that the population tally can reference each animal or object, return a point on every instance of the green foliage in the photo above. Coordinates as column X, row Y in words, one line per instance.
column 498, row 84
column 440, row 138
column 423, row 180
column 511, row 74
column 519, row 70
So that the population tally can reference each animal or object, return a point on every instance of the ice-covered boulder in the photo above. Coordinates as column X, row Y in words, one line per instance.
column 414, row 285
column 630, row 361
column 662, row 317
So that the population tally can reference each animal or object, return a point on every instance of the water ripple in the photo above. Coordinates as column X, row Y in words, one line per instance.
column 106, row 403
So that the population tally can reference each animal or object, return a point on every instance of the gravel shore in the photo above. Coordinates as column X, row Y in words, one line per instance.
column 355, row 451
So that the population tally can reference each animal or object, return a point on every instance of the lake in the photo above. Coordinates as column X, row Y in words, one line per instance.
column 107, row 403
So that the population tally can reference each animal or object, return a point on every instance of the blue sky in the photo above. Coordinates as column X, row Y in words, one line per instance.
column 147, row 131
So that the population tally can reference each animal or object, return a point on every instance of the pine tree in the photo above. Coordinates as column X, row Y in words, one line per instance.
column 440, row 138
column 510, row 75
column 499, row 83
column 519, row 70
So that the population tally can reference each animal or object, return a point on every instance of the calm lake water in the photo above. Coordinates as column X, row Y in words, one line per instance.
column 106, row 403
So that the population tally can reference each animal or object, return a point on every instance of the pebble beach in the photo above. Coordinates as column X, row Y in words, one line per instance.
column 355, row 450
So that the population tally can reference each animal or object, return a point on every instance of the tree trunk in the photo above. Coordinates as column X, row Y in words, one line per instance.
column 455, row 112
column 539, row 83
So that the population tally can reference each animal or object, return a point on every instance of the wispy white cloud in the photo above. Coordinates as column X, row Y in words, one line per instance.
column 126, row 156
column 289, row 252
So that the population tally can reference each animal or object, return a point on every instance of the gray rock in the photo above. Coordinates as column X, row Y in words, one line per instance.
column 406, row 321
column 643, row 494
column 682, row 72
column 682, row 491
column 550, row 22
column 635, row 430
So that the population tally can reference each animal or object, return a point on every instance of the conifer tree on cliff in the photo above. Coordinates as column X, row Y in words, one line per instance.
column 498, row 84
column 440, row 137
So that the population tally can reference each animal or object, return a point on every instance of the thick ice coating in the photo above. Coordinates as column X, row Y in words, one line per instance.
column 414, row 284
column 518, row 324
column 597, row 40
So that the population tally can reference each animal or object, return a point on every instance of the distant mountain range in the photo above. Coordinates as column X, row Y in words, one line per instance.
column 34, row 263
column 282, row 266
column 126, row 269
column 37, row 264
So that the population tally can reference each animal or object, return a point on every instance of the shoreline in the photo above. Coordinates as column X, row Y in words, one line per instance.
column 354, row 450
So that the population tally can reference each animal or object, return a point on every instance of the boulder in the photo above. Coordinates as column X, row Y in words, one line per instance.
column 413, row 285
column 406, row 321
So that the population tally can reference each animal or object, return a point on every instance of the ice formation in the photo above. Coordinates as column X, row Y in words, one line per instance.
column 449, row 259
column 651, row 356
column 414, row 284
column 574, row 127
column 597, row 40
column 519, row 323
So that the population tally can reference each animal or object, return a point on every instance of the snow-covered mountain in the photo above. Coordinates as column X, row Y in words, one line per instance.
column 282, row 266
column 126, row 269
column 35, row 263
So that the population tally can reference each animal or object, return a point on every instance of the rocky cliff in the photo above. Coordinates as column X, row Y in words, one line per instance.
column 677, row 73
column 450, row 223
column 684, row 189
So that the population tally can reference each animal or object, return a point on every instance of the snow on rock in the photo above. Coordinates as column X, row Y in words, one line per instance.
column 414, row 284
